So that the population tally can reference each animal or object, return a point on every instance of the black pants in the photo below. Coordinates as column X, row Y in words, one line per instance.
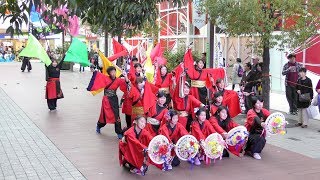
column 128, row 121
column 189, row 121
column 117, row 127
column 247, row 103
column 52, row 104
column 292, row 96
column 255, row 143
column 81, row 68
column 25, row 63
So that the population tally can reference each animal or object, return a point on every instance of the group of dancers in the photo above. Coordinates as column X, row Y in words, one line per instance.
column 191, row 99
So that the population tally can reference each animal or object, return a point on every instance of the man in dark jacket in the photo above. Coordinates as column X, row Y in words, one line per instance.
column 291, row 71
column 248, row 81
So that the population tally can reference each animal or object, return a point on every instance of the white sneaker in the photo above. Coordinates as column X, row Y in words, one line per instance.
column 256, row 156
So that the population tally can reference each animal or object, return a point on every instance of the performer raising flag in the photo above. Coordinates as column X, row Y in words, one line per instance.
column 53, row 88
column 110, row 104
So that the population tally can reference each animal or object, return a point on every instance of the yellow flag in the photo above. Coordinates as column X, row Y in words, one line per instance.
column 149, row 67
column 106, row 63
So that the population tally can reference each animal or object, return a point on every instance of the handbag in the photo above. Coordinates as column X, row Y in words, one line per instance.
column 305, row 97
column 315, row 101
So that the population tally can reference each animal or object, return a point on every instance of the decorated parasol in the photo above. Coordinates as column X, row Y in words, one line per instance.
column 276, row 124
column 187, row 147
column 237, row 136
column 214, row 146
column 159, row 149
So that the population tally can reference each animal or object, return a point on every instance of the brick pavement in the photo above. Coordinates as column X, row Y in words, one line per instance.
column 71, row 129
column 25, row 152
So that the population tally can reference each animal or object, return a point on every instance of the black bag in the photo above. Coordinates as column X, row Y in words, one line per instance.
column 304, row 97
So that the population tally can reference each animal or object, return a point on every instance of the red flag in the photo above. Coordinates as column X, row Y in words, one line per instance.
column 188, row 60
column 118, row 50
column 117, row 47
column 156, row 52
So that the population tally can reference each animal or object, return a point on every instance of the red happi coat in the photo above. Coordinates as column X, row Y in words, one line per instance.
column 173, row 134
column 132, row 150
column 251, row 115
column 187, row 104
column 231, row 100
column 158, row 113
column 163, row 81
column 101, row 81
column 213, row 109
column 145, row 102
column 232, row 124
column 201, row 132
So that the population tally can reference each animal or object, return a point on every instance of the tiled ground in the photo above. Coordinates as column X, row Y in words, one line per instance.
column 25, row 152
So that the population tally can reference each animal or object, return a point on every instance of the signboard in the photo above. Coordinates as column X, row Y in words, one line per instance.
column 218, row 55
column 198, row 17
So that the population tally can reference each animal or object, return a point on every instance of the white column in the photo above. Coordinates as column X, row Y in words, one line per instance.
column 188, row 26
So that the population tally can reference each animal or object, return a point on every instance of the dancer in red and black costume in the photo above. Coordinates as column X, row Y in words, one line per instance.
column 157, row 115
column 173, row 130
column 164, row 82
column 109, row 113
column 222, row 123
column 133, row 146
column 53, row 87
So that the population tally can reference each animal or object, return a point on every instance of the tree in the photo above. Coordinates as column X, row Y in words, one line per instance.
column 261, row 18
column 118, row 17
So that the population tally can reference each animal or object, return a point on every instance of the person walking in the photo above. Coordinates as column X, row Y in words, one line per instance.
column 290, row 70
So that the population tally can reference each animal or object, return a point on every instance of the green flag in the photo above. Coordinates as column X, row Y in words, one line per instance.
column 34, row 49
column 77, row 53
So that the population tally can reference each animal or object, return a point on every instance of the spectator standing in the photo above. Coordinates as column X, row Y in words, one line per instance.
column 237, row 72
column 290, row 70
column 305, row 92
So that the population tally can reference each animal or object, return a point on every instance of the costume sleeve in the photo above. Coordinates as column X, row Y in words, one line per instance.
column 214, row 123
column 195, row 102
column 210, row 127
column 250, row 119
column 285, row 69
column 196, row 131
column 164, row 131
column 233, row 124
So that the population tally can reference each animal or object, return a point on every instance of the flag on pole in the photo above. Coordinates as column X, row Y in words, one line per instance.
column 149, row 67
column 106, row 63
column 118, row 50
column 77, row 53
column 35, row 50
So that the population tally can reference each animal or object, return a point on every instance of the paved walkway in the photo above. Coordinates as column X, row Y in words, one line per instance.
column 72, row 130
column 25, row 152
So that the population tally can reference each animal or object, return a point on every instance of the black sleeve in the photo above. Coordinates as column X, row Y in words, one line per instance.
column 47, row 73
column 61, row 62
column 310, row 88
column 298, row 87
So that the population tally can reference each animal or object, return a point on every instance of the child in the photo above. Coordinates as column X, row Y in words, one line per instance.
column 223, row 123
column 217, row 102
column 157, row 112
column 255, row 126
column 304, row 87
column 201, row 129
column 173, row 130
column 133, row 145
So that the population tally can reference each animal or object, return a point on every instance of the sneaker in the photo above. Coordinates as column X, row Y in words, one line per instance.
column 98, row 129
column 135, row 171
column 256, row 156
column 197, row 161
column 119, row 136
column 169, row 167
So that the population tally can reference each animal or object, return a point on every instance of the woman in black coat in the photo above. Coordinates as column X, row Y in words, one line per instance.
column 304, row 86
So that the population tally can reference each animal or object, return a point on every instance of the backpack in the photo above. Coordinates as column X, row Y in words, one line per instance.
column 240, row 71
